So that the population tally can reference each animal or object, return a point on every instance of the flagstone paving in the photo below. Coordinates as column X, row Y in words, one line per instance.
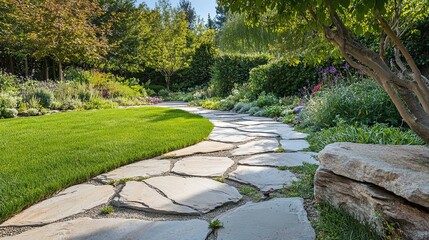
column 203, row 166
column 174, row 196
column 290, row 159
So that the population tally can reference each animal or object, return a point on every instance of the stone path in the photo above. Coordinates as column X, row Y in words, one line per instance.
column 176, row 195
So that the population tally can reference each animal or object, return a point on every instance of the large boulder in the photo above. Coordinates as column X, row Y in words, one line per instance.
column 378, row 184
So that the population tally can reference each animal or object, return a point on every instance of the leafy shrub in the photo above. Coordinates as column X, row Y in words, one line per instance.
column 8, row 100
column 281, row 78
column 266, row 100
column 363, row 102
column 99, row 103
column 211, row 104
column 77, row 75
column 273, row 111
column 226, row 105
column 8, row 112
column 7, row 81
column 71, row 104
column 44, row 96
column 243, row 107
column 230, row 69
column 254, row 110
column 32, row 112
column 376, row 134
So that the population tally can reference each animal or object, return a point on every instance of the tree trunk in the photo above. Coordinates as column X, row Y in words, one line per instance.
column 11, row 67
column 46, row 69
column 167, row 81
column 26, row 66
column 60, row 71
column 407, row 89
column 54, row 72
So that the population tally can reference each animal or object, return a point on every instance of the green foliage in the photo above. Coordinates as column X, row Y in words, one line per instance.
column 44, row 96
column 100, row 103
column 211, row 104
column 107, row 210
column 376, row 134
column 281, row 78
column 8, row 113
column 92, row 142
column 250, row 192
column 8, row 100
column 265, row 100
column 305, row 186
column 7, row 81
column 334, row 223
column 363, row 102
column 215, row 224
column 230, row 69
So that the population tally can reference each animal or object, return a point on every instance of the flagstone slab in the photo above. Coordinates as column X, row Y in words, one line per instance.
column 234, row 131
column 145, row 168
column 294, row 145
column 230, row 138
column 279, row 218
column 264, row 178
column 279, row 129
column 138, row 195
column 289, row 159
column 258, row 146
column 73, row 200
column 293, row 135
column 223, row 124
column 118, row 228
column 202, row 194
column 203, row 166
column 202, row 147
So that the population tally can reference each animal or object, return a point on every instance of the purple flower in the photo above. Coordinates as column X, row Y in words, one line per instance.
column 332, row 69
column 360, row 71
column 346, row 66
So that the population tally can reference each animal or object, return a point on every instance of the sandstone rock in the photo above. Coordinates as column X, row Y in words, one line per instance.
column 290, row 159
column 222, row 124
column 143, row 168
column 202, row 147
column 73, row 200
column 294, row 145
column 259, row 146
column 201, row 194
column 402, row 170
column 371, row 203
column 117, row 228
column 203, row 166
column 280, row 218
column 138, row 195
column 264, row 178
column 230, row 138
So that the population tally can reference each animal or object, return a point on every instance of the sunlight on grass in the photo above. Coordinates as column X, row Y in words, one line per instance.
column 41, row 155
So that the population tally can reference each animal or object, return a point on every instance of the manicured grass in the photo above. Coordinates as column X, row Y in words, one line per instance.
column 41, row 155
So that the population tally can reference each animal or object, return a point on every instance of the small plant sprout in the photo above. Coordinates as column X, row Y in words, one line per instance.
column 279, row 150
column 107, row 210
column 219, row 179
column 215, row 224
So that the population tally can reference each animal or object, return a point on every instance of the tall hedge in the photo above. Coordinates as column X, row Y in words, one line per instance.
column 281, row 78
column 230, row 69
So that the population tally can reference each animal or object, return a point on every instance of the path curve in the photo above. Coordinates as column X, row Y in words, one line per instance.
column 231, row 176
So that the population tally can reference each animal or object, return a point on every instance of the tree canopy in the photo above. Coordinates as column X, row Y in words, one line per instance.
column 340, row 22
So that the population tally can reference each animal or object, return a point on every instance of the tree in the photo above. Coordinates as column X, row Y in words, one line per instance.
column 210, row 23
column 129, row 30
column 168, row 51
column 221, row 17
column 191, row 16
column 340, row 21
column 62, row 29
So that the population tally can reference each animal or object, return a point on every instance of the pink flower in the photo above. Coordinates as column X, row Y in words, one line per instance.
column 316, row 88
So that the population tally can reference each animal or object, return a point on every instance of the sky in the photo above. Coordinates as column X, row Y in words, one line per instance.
column 202, row 7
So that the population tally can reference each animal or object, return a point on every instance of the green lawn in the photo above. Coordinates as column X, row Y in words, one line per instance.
column 41, row 155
